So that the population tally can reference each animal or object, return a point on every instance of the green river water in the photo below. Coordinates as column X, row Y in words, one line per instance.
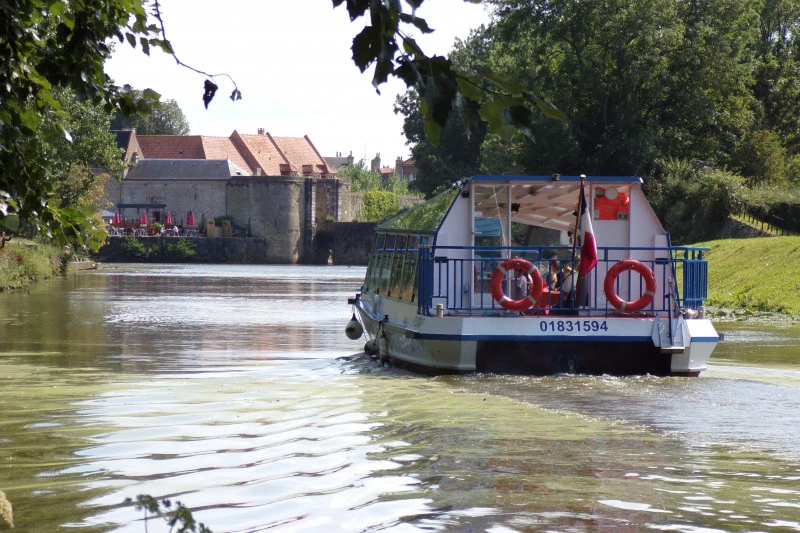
column 235, row 391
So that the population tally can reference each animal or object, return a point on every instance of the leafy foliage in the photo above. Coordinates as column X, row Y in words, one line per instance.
column 378, row 206
column 363, row 180
column 134, row 249
column 164, row 118
column 497, row 99
column 44, row 46
column 158, row 249
column 24, row 263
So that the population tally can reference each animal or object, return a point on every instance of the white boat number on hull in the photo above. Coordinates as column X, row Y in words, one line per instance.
column 573, row 326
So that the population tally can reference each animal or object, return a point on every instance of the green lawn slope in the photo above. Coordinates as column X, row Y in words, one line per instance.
column 760, row 274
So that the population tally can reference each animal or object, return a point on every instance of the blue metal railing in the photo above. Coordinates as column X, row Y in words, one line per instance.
column 459, row 278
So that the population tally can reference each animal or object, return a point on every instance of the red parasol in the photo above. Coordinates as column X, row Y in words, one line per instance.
column 190, row 219
column 117, row 220
column 143, row 218
column 168, row 221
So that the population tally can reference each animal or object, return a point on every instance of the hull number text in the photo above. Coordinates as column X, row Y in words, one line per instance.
column 573, row 326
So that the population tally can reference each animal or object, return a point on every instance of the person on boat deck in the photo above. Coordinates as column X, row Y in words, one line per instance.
column 554, row 276
column 522, row 283
column 4, row 239
column 568, row 283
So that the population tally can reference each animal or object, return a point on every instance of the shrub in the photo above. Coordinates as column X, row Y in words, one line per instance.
column 132, row 248
column 378, row 206
column 21, row 265
column 693, row 202
column 182, row 249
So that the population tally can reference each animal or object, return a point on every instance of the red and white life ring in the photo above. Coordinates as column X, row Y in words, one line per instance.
column 649, row 286
column 497, row 284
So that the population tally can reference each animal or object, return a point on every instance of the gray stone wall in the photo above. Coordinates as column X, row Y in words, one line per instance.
column 205, row 197
column 329, row 193
column 231, row 251
column 273, row 208
column 352, row 242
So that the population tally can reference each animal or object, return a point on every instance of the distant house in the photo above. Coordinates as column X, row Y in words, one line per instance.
column 338, row 161
column 278, row 188
column 406, row 170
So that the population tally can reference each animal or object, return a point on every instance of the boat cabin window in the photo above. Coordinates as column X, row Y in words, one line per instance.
column 373, row 268
column 386, row 264
column 392, row 269
column 397, row 266
column 408, row 276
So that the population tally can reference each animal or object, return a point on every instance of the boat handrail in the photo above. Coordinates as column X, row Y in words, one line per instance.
column 459, row 278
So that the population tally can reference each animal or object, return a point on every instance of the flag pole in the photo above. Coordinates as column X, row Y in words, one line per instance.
column 576, row 279
column 577, row 220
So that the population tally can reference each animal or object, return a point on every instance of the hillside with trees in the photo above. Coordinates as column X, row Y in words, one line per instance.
column 701, row 99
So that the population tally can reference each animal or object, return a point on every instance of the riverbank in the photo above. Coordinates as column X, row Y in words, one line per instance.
column 754, row 279
column 750, row 279
column 24, row 262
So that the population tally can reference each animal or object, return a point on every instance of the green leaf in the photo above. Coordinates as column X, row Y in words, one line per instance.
column 9, row 221
column 549, row 110
column 30, row 120
column 509, row 85
column 420, row 23
column 131, row 39
column 411, row 46
column 364, row 47
column 470, row 88
column 56, row 8
column 433, row 130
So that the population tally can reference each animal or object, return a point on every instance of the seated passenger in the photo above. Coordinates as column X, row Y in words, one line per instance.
column 553, row 279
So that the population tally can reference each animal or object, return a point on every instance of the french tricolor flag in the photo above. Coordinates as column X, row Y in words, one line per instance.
column 588, row 244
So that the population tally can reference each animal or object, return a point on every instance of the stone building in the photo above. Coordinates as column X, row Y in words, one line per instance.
column 277, row 188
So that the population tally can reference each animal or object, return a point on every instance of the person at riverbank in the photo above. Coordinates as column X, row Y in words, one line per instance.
column 4, row 239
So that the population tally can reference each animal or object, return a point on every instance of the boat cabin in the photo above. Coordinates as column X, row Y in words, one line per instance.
column 445, row 254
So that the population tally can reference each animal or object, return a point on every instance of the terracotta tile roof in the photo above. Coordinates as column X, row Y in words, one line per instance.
column 262, row 152
column 224, row 148
column 273, row 156
column 171, row 146
column 300, row 151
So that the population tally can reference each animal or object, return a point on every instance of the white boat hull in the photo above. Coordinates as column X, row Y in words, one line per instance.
column 537, row 345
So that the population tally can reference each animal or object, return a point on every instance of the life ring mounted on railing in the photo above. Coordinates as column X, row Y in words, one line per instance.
column 649, row 286
column 499, row 275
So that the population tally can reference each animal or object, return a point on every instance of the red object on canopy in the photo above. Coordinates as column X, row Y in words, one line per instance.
column 190, row 219
column 117, row 221
column 168, row 221
column 143, row 218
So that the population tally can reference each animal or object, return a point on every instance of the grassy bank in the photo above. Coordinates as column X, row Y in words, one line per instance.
column 23, row 263
column 756, row 274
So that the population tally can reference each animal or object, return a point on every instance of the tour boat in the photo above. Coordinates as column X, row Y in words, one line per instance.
column 478, row 279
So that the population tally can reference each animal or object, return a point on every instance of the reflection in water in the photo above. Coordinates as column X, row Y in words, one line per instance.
column 231, row 389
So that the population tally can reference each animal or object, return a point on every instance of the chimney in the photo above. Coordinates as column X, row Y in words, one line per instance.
column 258, row 171
column 261, row 131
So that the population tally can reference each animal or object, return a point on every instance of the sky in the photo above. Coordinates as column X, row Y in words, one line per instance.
column 292, row 62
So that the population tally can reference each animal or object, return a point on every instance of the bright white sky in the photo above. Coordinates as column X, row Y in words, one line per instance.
column 291, row 60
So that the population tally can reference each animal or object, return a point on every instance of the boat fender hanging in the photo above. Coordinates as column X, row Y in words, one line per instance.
column 354, row 330
column 499, row 275
column 649, row 286
column 383, row 342
column 383, row 349
column 371, row 347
